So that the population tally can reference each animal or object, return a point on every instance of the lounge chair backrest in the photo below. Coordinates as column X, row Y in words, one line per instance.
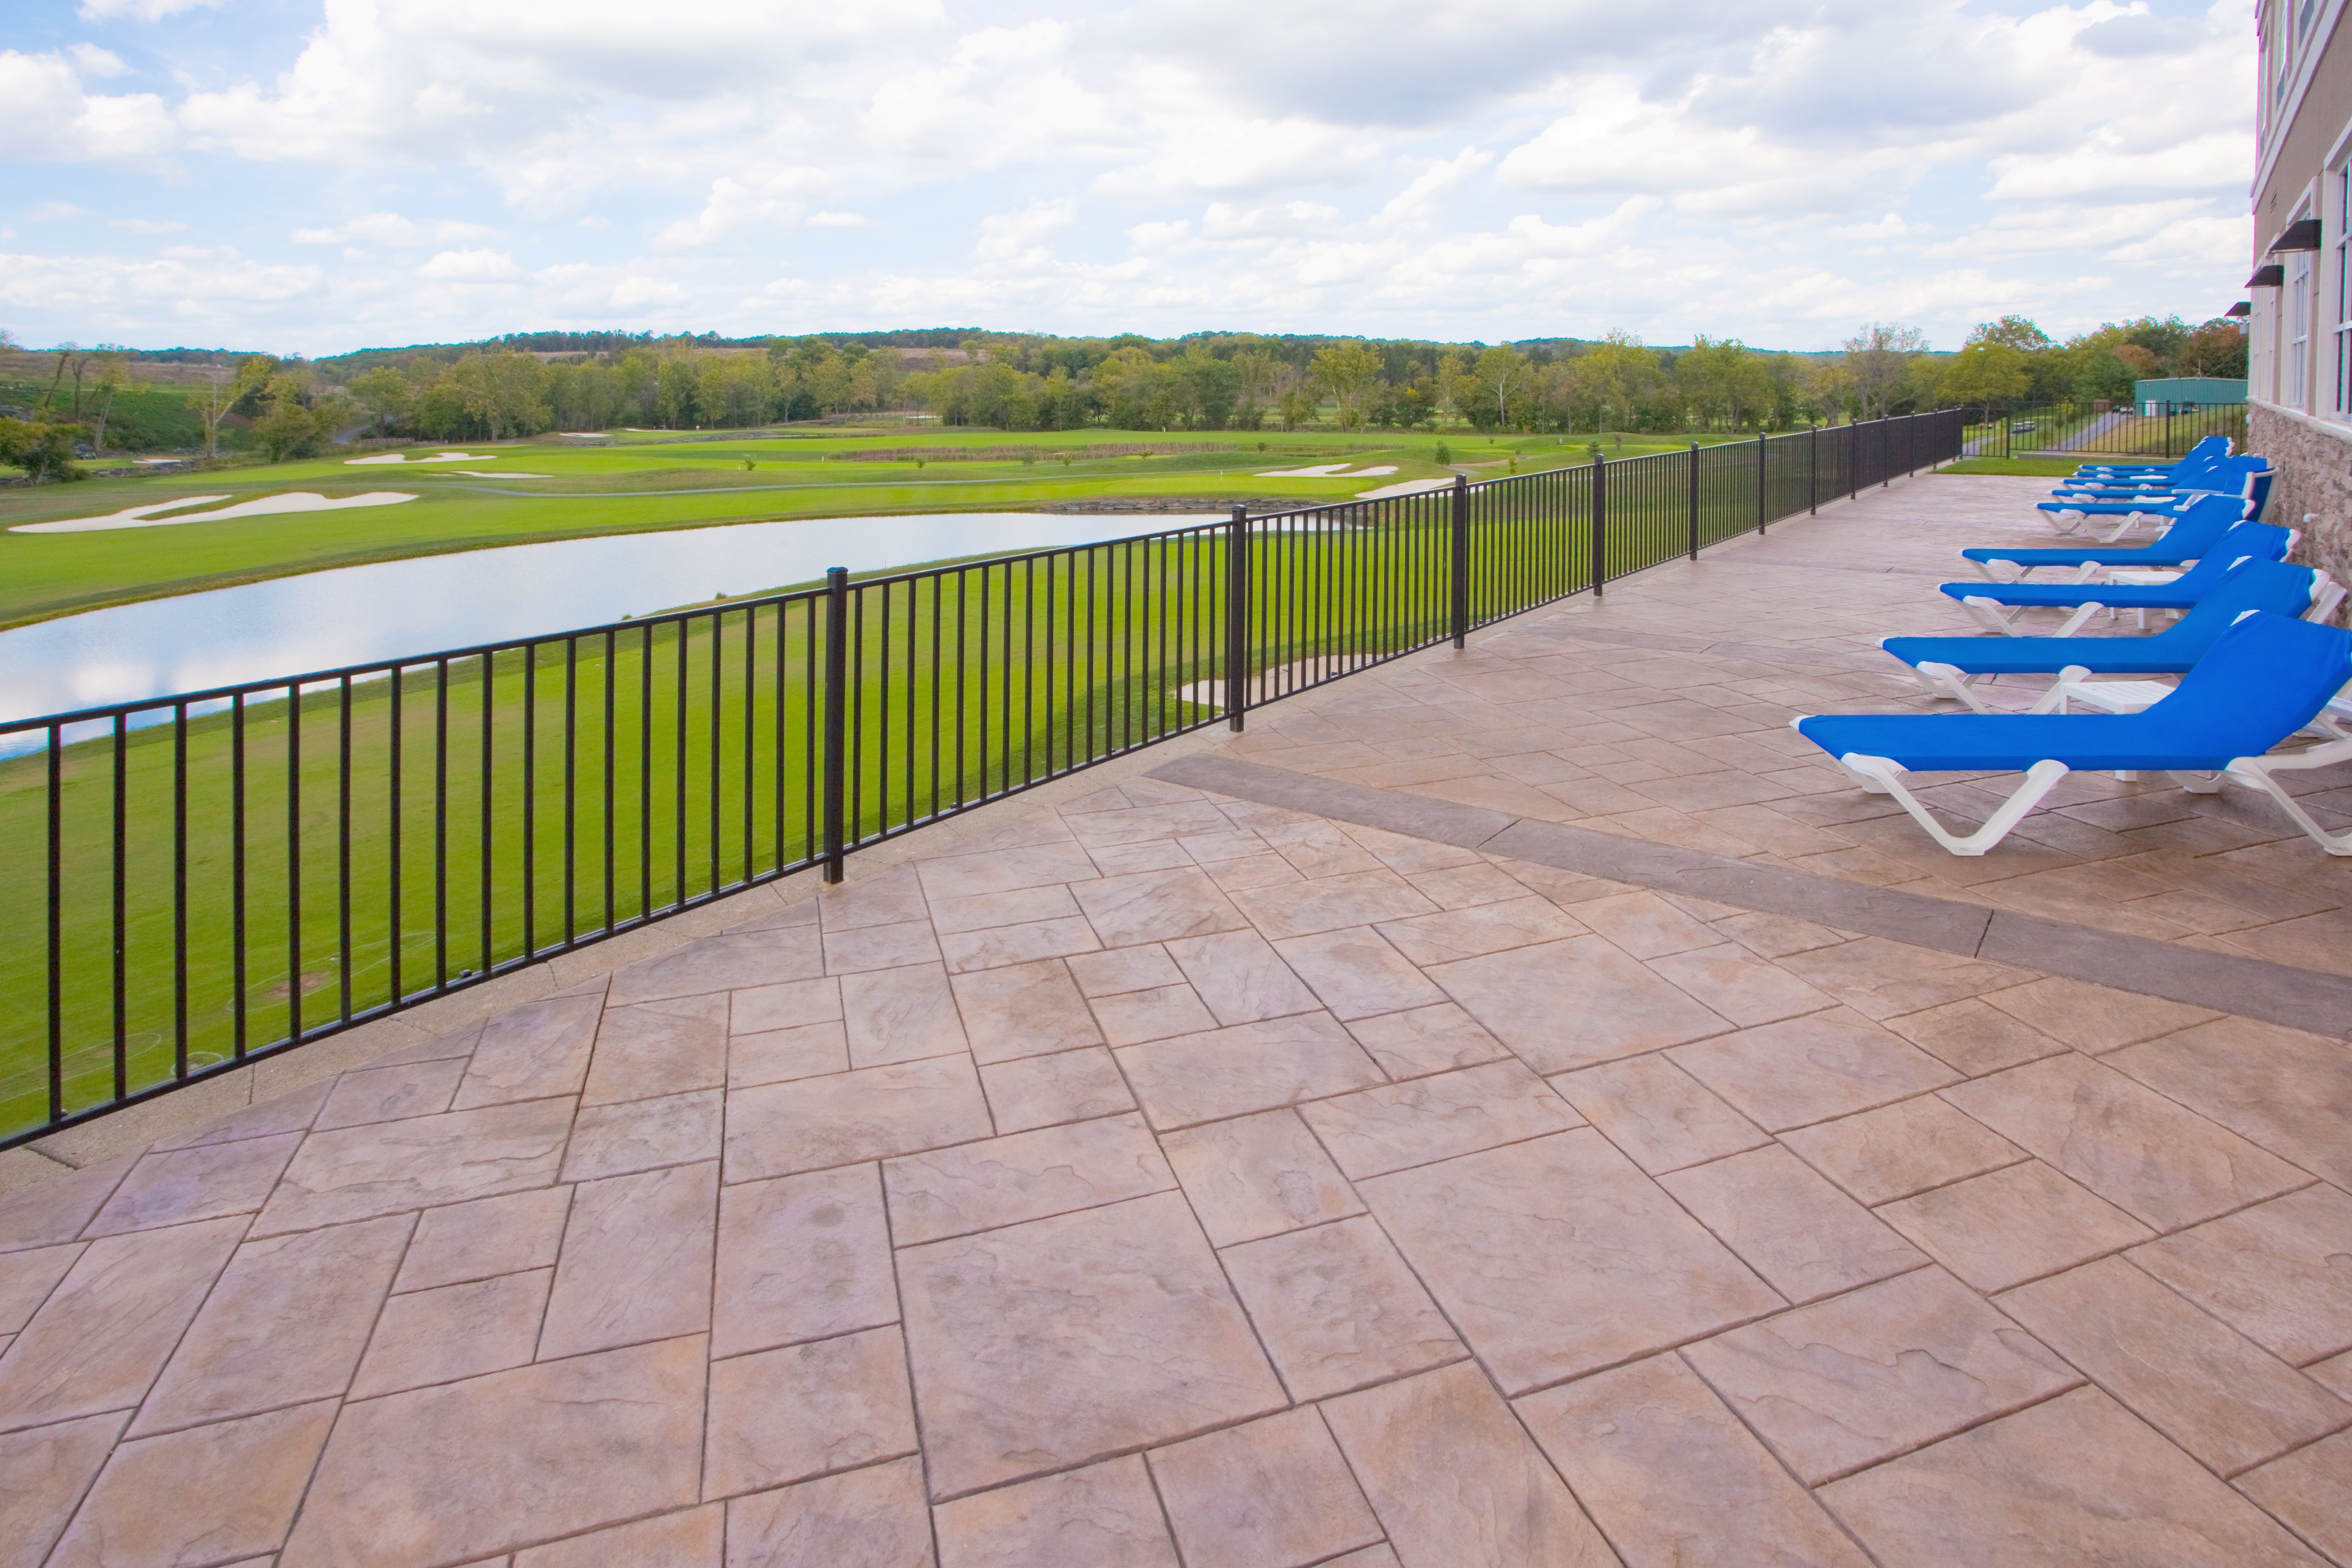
column 2271, row 585
column 2243, row 542
column 2201, row 523
column 2257, row 493
column 2265, row 678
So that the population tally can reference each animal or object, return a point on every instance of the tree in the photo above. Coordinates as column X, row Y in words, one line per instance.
column 1988, row 374
column 288, row 430
column 2013, row 332
column 211, row 405
column 112, row 380
column 2216, row 348
column 1348, row 373
column 42, row 449
column 1723, row 379
column 1879, row 359
column 385, row 393
column 1503, row 376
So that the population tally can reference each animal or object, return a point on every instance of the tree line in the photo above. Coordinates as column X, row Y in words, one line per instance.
column 530, row 383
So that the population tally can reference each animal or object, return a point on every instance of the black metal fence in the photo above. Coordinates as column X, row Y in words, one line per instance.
column 208, row 877
column 2158, row 430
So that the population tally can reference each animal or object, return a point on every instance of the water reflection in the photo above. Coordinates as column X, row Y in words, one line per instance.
column 356, row 614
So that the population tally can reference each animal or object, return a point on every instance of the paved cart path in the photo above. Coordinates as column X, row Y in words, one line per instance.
column 1187, row 1174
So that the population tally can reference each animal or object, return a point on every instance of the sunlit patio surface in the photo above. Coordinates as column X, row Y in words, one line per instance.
column 1520, row 1106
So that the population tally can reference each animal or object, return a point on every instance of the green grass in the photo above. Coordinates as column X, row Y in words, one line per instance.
column 1035, row 668
column 2041, row 467
column 658, row 480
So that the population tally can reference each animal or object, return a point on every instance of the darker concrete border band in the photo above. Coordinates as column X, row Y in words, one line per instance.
column 2274, row 993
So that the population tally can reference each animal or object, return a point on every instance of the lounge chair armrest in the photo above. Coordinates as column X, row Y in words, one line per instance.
column 2054, row 700
column 1988, row 615
column 2075, row 622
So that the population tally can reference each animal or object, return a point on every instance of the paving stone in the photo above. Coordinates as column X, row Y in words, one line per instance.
column 784, row 1415
column 487, row 1236
column 1001, row 870
column 1901, row 1149
column 1240, row 978
column 900, row 1015
column 2095, row 1019
column 1428, row 1118
column 1745, row 990
column 1016, row 906
column 1028, row 1176
column 48, row 1469
column 637, row 1262
column 2217, row 1393
column 2280, row 1273
column 2075, row 1481
column 1812, row 1069
column 294, row 1111
column 506, row 1459
column 1161, row 1013
column 1044, row 1345
column 28, row 1278
column 1971, row 1036
column 1250, row 1066
column 719, row 964
column 1505, row 1507
column 1844, row 1383
column 801, row 1257
column 106, row 1331
column 1024, row 943
column 2013, row 1225
column 1257, row 1175
column 1804, row 1237
column 1673, row 1479
column 689, row 1538
column 1024, row 1010
column 2288, row 1091
column 1462, row 887
column 1124, row 969
column 1364, row 898
column 788, row 1004
column 359, row 1172
column 1644, row 925
column 1658, row 1114
column 1104, row 1516
column 531, row 1052
column 1357, row 974
column 1042, row 1091
column 1156, row 906
column 2311, row 1491
column 1269, row 1494
column 215, row 1494
column 659, row 1048
column 1881, row 979
column 2135, row 1148
column 808, row 1124
column 1425, row 1040
column 1337, row 1308
column 1571, row 1004
column 202, row 1183
column 2333, row 1374
column 1557, row 1257
column 454, row 1331
column 389, row 1094
column 866, row 948
column 285, row 1325
column 811, row 1051
column 1776, row 936
column 1459, row 933
column 643, row 1134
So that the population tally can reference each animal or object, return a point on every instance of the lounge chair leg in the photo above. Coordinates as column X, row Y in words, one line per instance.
column 2196, row 782
column 1948, row 680
column 2258, row 772
column 2040, row 780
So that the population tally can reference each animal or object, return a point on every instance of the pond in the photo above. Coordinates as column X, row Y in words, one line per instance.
column 357, row 615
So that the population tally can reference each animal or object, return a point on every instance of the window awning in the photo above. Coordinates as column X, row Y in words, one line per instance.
column 2269, row 276
column 2243, row 308
column 2300, row 235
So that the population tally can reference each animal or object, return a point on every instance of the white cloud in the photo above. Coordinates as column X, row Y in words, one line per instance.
column 90, row 60
column 775, row 196
column 146, row 225
column 137, row 10
column 44, row 114
column 470, row 267
column 389, row 228
column 836, row 220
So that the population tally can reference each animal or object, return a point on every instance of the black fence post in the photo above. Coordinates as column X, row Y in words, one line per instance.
column 1693, row 501
column 1599, row 524
column 1236, row 617
column 1813, row 476
column 836, row 714
column 1853, row 460
column 1763, row 461
column 1458, row 575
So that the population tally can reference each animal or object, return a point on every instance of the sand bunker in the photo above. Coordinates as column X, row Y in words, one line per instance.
column 261, row 506
column 1329, row 471
column 404, row 457
column 478, row 474
column 1409, row 488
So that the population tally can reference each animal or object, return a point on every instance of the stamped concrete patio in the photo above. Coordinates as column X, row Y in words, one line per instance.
column 1515, row 1108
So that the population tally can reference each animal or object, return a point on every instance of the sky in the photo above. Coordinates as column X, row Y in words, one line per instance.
column 310, row 178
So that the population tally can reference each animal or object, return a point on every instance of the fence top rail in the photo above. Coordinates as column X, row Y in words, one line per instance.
column 337, row 675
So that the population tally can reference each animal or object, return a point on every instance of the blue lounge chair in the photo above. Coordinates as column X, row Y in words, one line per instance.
column 2253, row 487
column 2198, row 474
column 2199, row 526
column 2265, row 678
column 2206, row 450
column 2245, row 541
column 1948, row 666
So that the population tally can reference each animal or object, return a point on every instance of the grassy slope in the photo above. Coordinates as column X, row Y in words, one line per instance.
column 2041, row 467
column 650, row 481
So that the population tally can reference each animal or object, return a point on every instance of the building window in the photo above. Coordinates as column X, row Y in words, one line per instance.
column 2344, row 289
column 2298, row 330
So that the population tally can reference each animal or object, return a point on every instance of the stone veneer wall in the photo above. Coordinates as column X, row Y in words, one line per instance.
column 2315, row 476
